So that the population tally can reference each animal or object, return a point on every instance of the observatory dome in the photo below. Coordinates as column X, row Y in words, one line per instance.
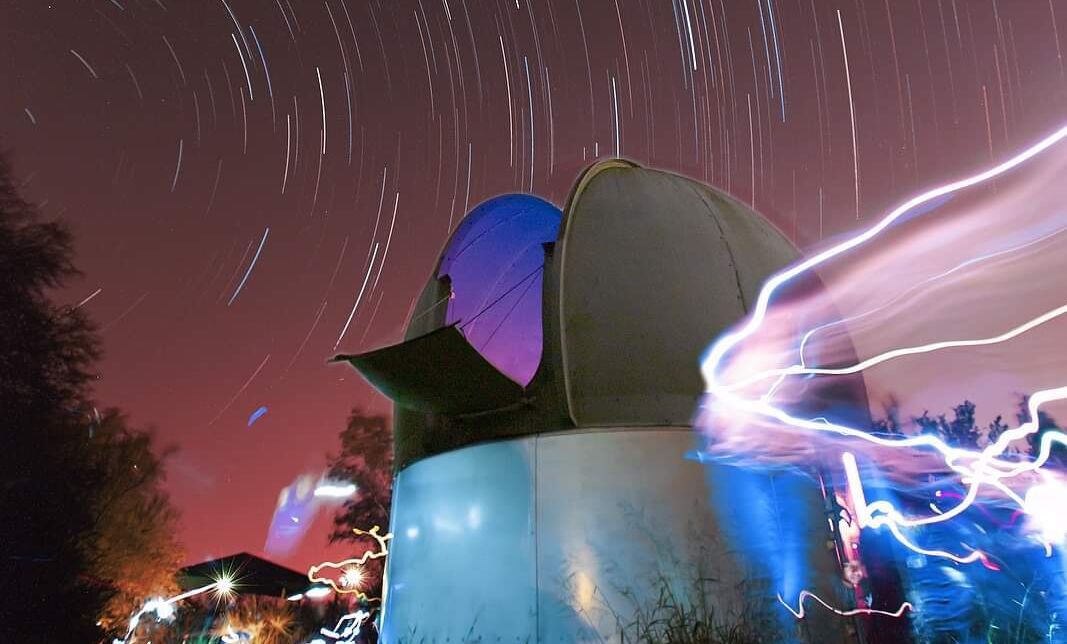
column 536, row 320
column 544, row 396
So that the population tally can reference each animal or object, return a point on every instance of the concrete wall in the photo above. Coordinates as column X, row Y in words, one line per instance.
column 546, row 538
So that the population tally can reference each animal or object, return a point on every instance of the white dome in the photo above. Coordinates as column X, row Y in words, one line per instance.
column 649, row 267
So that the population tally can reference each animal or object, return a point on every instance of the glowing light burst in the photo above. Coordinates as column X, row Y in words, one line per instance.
column 318, row 592
column 976, row 469
column 164, row 608
column 1044, row 503
column 352, row 574
column 353, row 577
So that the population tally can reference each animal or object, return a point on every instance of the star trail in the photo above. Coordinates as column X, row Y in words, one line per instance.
column 250, row 179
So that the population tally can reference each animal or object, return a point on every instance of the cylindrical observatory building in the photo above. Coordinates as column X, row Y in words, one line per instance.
column 544, row 402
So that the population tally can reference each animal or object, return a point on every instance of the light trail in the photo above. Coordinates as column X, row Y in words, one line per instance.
column 241, row 55
column 335, row 491
column 777, row 56
column 511, row 117
column 86, row 300
column 359, row 297
column 916, row 287
column 342, row 633
column 800, row 370
column 388, row 241
column 164, row 608
column 255, row 258
column 256, row 415
column 85, row 62
column 355, row 563
column 799, row 613
column 322, row 99
column 759, row 312
column 975, row 468
column 851, row 114
column 178, row 168
column 288, row 148
column 240, row 391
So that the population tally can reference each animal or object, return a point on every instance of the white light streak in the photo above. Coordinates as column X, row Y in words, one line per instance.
column 322, row 98
column 358, row 298
column 241, row 55
column 250, row 267
column 241, row 390
column 511, row 118
column 178, row 168
column 334, row 491
column 689, row 34
column 164, row 608
column 851, row 114
column 85, row 62
column 804, row 594
column 975, row 468
column 318, row 592
column 86, row 300
column 615, row 115
column 288, row 147
column 388, row 240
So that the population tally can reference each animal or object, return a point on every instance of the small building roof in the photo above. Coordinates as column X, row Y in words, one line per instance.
column 251, row 575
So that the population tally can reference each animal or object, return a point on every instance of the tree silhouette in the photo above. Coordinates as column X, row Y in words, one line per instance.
column 85, row 526
column 366, row 459
column 1020, row 600
column 961, row 431
column 889, row 425
column 964, row 431
column 1045, row 424
column 132, row 544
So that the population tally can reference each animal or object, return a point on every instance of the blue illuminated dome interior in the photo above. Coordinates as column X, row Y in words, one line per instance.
column 495, row 261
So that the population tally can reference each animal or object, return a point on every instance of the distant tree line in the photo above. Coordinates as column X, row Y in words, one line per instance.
column 964, row 431
column 1024, row 598
column 86, row 531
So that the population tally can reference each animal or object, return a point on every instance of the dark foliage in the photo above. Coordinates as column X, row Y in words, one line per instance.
column 1045, row 424
column 964, row 430
column 366, row 459
column 84, row 523
column 47, row 352
column 671, row 619
column 890, row 424
column 960, row 431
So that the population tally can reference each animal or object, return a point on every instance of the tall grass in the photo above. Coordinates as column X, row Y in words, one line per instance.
column 672, row 618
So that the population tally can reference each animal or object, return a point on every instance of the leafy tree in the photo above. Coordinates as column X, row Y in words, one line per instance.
column 1045, row 424
column 890, row 423
column 1019, row 602
column 995, row 429
column 47, row 351
column 959, row 432
column 963, row 430
column 82, row 529
column 366, row 459
column 132, row 544
column 267, row 620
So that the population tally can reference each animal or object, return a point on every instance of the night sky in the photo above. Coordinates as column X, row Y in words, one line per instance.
column 256, row 185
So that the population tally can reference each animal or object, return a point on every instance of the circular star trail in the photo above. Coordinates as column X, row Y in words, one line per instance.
column 256, row 185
